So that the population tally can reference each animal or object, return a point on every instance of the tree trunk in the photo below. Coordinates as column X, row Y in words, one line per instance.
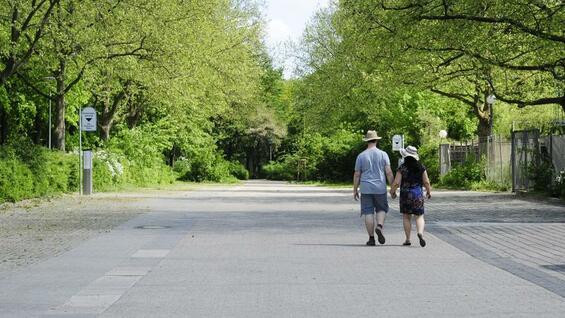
column 107, row 117
column 3, row 126
column 483, row 111
column 37, row 129
column 59, row 131
column 59, row 118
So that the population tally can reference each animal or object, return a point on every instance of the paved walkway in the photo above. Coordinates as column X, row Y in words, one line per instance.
column 267, row 249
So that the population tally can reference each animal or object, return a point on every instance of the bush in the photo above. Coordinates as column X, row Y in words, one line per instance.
column 238, row 170
column 540, row 171
column 29, row 171
column 430, row 159
column 216, row 169
column 463, row 176
column 278, row 171
column 558, row 185
column 322, row 158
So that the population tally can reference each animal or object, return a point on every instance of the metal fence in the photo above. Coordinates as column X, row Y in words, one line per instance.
column 525, row 152
column 555, row 146
column 498, row 160
column 507, row 161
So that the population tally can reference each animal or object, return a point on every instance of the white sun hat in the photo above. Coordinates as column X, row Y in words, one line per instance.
column 410, row 151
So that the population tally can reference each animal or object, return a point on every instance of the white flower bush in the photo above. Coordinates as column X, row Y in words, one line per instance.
column 112, row 161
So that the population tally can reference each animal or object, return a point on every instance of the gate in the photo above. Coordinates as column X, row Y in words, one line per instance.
column 525, row 150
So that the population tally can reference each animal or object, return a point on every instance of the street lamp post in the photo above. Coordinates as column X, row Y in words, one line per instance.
column 490, row 100
column 50, row 78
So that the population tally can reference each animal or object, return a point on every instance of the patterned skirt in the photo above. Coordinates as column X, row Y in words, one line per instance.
column 412, row 200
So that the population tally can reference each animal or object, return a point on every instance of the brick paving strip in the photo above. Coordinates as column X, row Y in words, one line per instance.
column 520, row 236
column 512, row 260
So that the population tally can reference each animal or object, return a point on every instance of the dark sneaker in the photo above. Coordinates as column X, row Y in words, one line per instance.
column 380, row 235
column 407, row 243
column 371, row 241
column 422, row 241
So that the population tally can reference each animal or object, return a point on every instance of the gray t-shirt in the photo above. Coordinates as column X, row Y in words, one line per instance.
column 371, row 163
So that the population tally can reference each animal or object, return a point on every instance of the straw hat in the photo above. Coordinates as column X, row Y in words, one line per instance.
column 410, row 151
column 371, row 135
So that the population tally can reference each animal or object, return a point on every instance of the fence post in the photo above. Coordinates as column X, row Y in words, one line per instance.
column 500, row 159
column 513, row 160
column 526, row 143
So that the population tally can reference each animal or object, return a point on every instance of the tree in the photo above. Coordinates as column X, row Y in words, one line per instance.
column 22, row 25
column 463, row 50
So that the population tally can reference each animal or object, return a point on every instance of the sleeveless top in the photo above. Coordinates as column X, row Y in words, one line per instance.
column 411, row 180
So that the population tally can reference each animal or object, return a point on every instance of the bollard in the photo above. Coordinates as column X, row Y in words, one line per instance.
column 87, row 172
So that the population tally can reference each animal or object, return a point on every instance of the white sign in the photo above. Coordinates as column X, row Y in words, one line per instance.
column 397, row 142
column 88, row 119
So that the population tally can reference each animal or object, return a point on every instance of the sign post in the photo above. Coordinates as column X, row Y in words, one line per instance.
column 397, row 144
column 87, row 122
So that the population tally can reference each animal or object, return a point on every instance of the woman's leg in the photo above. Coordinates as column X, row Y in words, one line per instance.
column 420, row 223
column 407, row 222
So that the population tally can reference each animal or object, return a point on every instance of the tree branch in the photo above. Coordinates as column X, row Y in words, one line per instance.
column 458, row 97
column 504, row 20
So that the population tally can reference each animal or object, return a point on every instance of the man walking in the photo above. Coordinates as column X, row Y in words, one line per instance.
column 372, row 170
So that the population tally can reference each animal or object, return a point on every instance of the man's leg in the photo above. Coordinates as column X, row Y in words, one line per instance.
column 381, row 215
column 370, row 223
column 367, row 211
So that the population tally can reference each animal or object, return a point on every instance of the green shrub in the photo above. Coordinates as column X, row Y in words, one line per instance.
column 278, row 171
column 29, row 171
column 540, row 171
column 463, row 176
column 317, row 157
column 16, row 180
column 559, row 185
column 238, row 170
column 202, row 168
column 430, row 158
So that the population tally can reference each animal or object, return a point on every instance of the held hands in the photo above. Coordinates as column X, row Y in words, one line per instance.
column 393, row 194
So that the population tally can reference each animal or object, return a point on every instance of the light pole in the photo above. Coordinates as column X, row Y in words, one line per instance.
column 50, row 78
column 490, row 100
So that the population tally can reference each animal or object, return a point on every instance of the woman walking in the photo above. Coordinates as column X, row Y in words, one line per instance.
column 411, row 177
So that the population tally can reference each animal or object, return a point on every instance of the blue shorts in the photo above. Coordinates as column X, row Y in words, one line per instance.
column 371, row 203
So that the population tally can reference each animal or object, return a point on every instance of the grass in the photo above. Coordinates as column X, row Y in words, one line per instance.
column 329, row 184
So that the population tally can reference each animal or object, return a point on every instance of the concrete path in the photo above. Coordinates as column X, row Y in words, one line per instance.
column 266, row 249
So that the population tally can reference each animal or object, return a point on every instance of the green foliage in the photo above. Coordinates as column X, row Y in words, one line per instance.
column 28, row 171
column 31, row 171
column 318, row 157
column 238, row 170
column 429, row 157
column 278, row 170
column 215, row 169
column 463, row 176
column 542, row 172
column 485, row 185
column 558, row 185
